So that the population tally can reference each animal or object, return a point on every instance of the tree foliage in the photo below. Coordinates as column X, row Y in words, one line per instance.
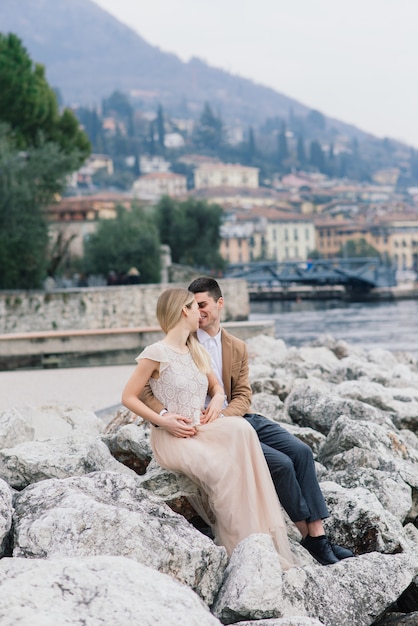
column 39, row 147
column 357, row 248
column 28, row 182
column 208, row 132
column 117, row 104
column 192, row 230
column 131, row 240
column 282, row 147
column 29, row 105
column 160, row 127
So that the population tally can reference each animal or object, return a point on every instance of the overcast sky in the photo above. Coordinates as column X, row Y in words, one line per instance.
column 356, row 61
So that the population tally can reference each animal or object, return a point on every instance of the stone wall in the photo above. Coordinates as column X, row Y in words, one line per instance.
column 101, row 307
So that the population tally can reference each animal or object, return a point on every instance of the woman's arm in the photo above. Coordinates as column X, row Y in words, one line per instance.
column 176, row 425
column 133, row 388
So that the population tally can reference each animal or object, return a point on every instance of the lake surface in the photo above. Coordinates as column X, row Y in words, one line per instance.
column 388, row 325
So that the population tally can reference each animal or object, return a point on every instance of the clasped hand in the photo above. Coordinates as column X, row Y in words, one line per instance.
column 180, row 426
column 213, row 410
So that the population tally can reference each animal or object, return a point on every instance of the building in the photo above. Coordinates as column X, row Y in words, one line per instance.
column 242, row 197
column 267, row 233
column 243, row 239
column 75, row 219
column 332, row 233
column 94, row 164
column 289, row 236
column 395, row 236
column 211, row 175
column 152, row 164
column 153, row 186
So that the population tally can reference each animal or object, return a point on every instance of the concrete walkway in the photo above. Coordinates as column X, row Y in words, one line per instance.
column 93, row 388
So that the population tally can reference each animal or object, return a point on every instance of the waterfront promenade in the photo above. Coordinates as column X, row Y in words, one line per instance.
column 92, row 388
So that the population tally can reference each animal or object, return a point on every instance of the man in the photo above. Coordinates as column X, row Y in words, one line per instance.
column 290, row 461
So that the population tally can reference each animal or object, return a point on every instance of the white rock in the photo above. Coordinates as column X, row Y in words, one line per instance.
column 110, row 513
column 33, row 461
column 98, row 591
column 252, row 587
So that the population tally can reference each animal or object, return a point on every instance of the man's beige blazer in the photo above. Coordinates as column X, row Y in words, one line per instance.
column 235, row 374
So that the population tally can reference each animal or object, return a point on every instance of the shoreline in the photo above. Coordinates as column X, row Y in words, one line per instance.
column 403, row 291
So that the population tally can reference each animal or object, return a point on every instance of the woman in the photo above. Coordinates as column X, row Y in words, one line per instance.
column 222, row 455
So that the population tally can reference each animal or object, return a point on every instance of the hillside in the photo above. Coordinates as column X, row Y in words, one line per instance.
column 88, row 54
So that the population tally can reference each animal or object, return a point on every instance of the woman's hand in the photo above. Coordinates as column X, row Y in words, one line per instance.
column 214, row 409
column 177, row 425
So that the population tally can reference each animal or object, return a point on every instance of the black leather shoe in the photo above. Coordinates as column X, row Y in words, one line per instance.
column 341, row 553
column 320, row 548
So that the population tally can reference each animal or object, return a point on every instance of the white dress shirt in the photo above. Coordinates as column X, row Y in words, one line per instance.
column 214, row 346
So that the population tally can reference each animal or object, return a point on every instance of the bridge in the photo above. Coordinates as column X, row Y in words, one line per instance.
column 354, row 274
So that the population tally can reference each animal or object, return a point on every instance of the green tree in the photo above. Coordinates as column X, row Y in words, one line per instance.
column 316, row 120
column 192, row 230
column 160, row 128
column 39, row 147
column 251, row 147
column 300, row 151
column 314, row 255
column 208, row 132
column 29, row 105
column 117, row 104
column 28, row 182
column 92, row 123
column 282, row 147
column 316, row 156
column 131, row 240
column 357, row 248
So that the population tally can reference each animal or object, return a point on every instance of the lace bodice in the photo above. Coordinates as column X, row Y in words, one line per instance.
column 181, row 387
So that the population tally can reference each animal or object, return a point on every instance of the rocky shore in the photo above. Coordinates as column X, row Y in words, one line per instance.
column 93, row 532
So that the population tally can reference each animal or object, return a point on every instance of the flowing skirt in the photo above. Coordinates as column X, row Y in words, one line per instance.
column 226, row 461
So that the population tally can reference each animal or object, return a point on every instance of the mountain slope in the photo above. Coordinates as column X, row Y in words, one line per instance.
column 88, row 54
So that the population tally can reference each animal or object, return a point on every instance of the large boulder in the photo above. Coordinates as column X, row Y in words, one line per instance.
column 110, row 513
column 318, row 409
column 6, row 513
column 98, row 591
column 33, row 461
column 353, row 592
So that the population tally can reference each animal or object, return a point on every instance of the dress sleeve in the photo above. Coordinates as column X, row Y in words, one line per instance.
column 155, row 352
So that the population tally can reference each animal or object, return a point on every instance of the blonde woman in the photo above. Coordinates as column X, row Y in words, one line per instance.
column 222, row 455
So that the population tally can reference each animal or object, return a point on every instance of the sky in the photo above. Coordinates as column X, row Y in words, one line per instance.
column 354, row 61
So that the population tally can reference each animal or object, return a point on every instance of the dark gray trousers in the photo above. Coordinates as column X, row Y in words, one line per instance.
column 292, row 469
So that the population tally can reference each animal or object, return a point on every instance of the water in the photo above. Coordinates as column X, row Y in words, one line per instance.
column 388, row 325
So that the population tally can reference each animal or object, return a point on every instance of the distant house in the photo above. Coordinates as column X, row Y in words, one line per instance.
column 94, row 164
column 76, row 218
column 153, row 186
column 174, row 140
column 212, row 175
column 242, row 197
column 267, row 233
column 332, row 233
column 152, row 164
column 243, row 240
column 395, row 236
column 289, row 236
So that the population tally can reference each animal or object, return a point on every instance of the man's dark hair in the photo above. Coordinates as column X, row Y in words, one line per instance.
column 206, row 284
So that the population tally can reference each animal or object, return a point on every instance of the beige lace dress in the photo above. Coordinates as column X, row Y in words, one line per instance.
column 224, row 458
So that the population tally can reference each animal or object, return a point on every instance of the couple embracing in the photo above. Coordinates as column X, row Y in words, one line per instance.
column 193, row 387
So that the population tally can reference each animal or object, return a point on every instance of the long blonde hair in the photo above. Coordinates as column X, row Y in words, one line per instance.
column 169, row 311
